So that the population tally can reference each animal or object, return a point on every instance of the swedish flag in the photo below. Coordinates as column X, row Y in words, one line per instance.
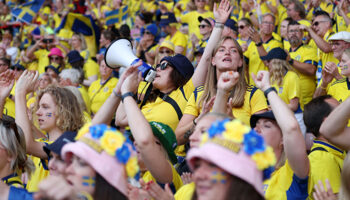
column 83, row 24
column 27, row 11
column 116, row 16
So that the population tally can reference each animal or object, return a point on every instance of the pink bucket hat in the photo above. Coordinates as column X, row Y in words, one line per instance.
column 108, row 152
column 238, row 150
column 56, row 51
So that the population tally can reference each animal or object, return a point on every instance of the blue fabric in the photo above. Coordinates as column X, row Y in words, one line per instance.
column 19, row 193
column 298, row 189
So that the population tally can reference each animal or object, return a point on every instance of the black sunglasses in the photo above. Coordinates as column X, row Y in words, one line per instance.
column 241, row 27
column 163, row 65
column 202, row 26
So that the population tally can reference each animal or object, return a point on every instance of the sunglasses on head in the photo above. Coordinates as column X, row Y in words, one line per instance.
column 163, row 65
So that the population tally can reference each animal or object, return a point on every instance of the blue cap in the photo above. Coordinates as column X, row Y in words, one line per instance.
column 56, row 70
column 152, row 28
column 167, row 18
column 276, row 53
column 231, row 24
column 57, row 146
column 74, row 56
column 181, row 64
column 265, row 115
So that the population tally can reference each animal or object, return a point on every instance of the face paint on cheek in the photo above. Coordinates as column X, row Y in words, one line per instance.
column 88, row 181
column 345, row 67
column 49, row 114
column 218, row 177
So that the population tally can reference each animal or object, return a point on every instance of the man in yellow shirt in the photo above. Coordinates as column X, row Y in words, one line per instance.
column 168, row 24
column 326, row 159
column 263, row 43
column 303, row 58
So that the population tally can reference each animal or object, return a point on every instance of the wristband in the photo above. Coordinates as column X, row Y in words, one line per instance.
column 259, row 44
column 266, row 92
column 219, row 25
column 128, row 94
column 116, row 94
column 291, row 61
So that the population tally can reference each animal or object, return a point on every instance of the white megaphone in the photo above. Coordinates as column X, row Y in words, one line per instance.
column 119, row 53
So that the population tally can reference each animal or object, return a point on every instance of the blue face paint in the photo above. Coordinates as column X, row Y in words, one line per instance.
column 49, row 114
column 88, row 181
column 218, row 177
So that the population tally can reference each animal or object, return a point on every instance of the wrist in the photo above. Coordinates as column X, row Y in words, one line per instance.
column 291, row 61
column 258, row 44
column 128, row 94
column 268, row 90
column 222, row 92
column 117, row 94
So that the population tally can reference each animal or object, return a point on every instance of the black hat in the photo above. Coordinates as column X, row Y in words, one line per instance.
column 18, row 67
column 276, row 53
column 232, row 24
column 167, row 18
column 266, row 115
column 57, row 146
column 74, row 56
column 181, row 64
column 53, row 68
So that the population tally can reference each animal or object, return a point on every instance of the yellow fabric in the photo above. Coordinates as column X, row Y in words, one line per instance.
column 324, row 6
column 327, row 57
column 191, row 18
column 13, row 180
column 86, row 98
column 255, row 63
column 179, row 39
column 149, row 6
column 85, row 54
column 99, row 96
column 290, row 87
column 250, row 106
column 325, row 165
column 177, row 181
column 340, row 89
column 155, row 111
column 91, row 68
column 185, row 192
column 306, row 54
column 340, row 23
column 9, row 107
column 43, row 59
column 286, row 44
column 40, row 173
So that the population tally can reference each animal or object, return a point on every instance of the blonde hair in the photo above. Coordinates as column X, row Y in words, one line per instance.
column 82, row 41
column 69, row 113
column 344, row 193
column 78, row 95
column 238, row 91
column 13, row 140
column 278, row 69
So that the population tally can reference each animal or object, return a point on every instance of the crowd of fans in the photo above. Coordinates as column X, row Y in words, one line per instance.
column 250, row 101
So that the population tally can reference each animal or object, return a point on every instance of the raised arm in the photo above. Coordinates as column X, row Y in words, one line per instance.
column 221, row 14
column 106, row 112
column 7, row 79
column 151, row 154
column 334, row 127
column 320, row 42
column 293, row 140
column 25, row 84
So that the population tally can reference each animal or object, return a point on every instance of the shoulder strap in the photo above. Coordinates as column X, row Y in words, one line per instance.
column 173, row 103
column 145, row 98
column 318, row 149
column 254, row 89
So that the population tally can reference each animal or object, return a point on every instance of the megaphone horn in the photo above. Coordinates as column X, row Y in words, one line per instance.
column 119, row 53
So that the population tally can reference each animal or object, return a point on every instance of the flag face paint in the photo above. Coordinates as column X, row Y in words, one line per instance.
column 218, row 177
column 89, row 181
column 49, row 114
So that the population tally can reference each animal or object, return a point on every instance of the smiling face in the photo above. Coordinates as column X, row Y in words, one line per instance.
column 81, row 175
column 338, row 47
column 211, row 181
column 321, row 25
column 47, row 113
column 227, row 57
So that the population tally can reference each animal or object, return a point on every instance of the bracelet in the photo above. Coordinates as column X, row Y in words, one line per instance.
column 291, row 61
column 116, row 94
column 250, row 13
column 266, row 92
column 219, row 25
column 128, row 94
column 259, row 44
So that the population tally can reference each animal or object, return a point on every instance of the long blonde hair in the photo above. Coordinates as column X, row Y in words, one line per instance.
column 278, row 69
column 238, row 91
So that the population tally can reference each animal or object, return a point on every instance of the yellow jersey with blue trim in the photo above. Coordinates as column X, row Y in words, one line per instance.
column 285, row 185
column 305, row 54
column 43, row 60
column 254, row 101
column 13, row 180
column 99, row 92
column 340, row 89
column 91, row 68
column 326, row 162
column 162, row 110
column 252, row 56
column 290, row 87
column 179, row 39
column 41, row 169
column 185, row 192
column 191, row 18
column 175, row 185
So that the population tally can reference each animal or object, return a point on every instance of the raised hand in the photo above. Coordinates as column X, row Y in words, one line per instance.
column 27, row 82
column 262, row 80
column 131, row 82
column 126, row 73
column 157, row 193
column 7, row 79
column 227, row 80
column 222, row 13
